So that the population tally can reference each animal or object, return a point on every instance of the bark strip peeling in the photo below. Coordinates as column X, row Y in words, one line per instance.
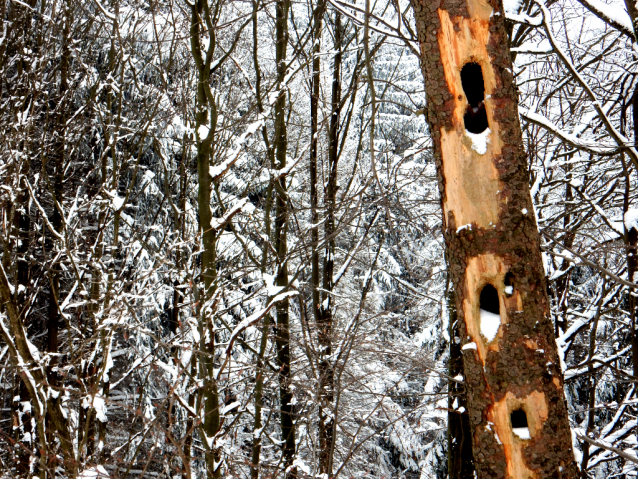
column 517, row 409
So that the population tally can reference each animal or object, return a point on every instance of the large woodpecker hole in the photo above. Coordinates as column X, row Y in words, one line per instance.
column 518, row 418
column 472, row 81
column 489, row 299
column 489, row 312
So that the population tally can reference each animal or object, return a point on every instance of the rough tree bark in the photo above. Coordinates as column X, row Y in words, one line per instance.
column 517, row 409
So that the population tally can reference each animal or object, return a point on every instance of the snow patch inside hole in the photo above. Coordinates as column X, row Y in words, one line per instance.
column 509, row 284
column 489, row 324
column 475, row 118
column 490, row 316
column 479, row 140
column 522, row 432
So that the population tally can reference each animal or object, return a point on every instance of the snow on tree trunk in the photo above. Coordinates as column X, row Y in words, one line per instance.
column 517, row 408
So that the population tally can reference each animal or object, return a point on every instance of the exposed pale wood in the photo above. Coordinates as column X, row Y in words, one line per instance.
column 531, row 343
column 482, row 270
column 472, row 180
column 535, row 407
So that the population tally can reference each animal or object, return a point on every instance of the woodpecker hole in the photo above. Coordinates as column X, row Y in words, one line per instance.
column 509, row 284
column 518, row 418
column 472, row 81
column 489, row 299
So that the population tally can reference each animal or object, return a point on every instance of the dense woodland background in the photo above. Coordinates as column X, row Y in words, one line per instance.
column 303, row 330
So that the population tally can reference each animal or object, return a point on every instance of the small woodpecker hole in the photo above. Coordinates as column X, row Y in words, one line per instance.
column 489, row 299
column 472, row 81
column 509, row 284
column 518, row 418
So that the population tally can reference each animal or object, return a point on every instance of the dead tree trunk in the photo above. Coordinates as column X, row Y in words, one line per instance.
column 515, row 400
column 460, row 463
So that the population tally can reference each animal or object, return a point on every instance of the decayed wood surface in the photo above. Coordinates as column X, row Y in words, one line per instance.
column 491, row 233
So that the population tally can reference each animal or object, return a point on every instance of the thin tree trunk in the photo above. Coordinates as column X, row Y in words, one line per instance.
column 281, row 244
column 23, row 414
column 34, row 378
column 208, row 400
column 99, row 426
column 22, row 410
column 517, row 409
column 53, row 316
column 325, row 369
column 591, row 409
column 57, row 427
column 259, row 392
column 631, row 234
column 88, row 426
column 460, row 464
column 259, row 379
column 190, row 423
column 314, row 144
column 631, row 241
column 174, row 319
